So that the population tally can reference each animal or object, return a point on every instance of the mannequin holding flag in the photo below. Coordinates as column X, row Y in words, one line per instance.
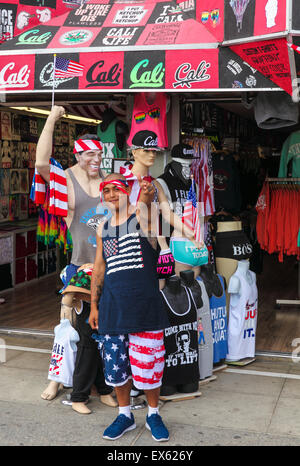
column 74, row 194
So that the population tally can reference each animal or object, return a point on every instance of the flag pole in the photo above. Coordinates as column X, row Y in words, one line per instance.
column 53, row 80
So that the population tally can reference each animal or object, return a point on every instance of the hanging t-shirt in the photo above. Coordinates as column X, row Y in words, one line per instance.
column 205, row 337
column 180, row 339
column 151, row 117
column 290, row 153
column 63, row 355
column 226, row 183
column 219, row 323
column 242, row 318
column 111, row 149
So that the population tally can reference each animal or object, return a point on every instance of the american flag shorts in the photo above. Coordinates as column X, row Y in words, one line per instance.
column 139, row 356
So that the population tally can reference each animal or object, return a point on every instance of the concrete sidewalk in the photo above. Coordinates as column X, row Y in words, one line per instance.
column 255, row 405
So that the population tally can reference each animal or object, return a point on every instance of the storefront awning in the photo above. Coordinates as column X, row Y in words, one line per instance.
column 123, row 46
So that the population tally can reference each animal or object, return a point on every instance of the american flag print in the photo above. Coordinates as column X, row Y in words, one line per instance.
column 124, row 253
column 65, row 68
column 190, row 216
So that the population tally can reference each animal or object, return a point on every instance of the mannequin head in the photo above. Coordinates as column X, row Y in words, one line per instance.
column 144, row 149
column 144, row 157
column 90, row 160
column 271, row 9
column 182, row 155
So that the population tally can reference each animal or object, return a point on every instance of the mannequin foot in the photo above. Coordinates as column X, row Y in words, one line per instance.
column 81, row 408
column 108, row 400
column 51, row 391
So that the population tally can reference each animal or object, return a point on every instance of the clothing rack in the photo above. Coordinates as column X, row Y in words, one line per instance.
column 288, row 302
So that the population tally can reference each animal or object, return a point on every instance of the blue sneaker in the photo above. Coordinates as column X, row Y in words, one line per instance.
column 120, row 425
column 158, row 429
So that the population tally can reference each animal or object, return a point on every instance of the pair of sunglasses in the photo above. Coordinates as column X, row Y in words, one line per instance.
column 214, row 15
column 154, row 113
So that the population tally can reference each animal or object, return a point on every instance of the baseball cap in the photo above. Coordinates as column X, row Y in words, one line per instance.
column 182, row 151
column 145, row 140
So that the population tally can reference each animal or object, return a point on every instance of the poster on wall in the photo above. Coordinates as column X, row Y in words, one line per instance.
column 23, row 207
column 24, row 154
column 16, row 155
column 15, row 179
column 15, row 127
column 4, row 182
column 4, row 208
column 13, row 207
column 5, row 125
column 6, row 159
column 24, row 181
column 31, row 154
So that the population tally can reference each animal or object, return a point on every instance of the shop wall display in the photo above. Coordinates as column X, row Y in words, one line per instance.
column 17, row 160
column 18, row 16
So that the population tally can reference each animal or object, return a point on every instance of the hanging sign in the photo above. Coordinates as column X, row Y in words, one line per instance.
column 234, row 73
column 270, row 57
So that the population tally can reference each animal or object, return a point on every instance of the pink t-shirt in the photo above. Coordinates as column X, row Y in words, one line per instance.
column 151, row 117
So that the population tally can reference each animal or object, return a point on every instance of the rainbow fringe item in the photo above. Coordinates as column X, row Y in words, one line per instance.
column 51, row 228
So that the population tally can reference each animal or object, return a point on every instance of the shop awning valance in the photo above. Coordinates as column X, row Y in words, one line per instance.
column 124, row 46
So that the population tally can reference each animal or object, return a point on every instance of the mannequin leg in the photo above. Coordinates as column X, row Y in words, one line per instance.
column 66, row 312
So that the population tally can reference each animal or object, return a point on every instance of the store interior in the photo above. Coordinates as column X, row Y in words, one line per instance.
column 30, row 281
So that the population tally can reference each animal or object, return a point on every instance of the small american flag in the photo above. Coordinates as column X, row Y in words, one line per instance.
column 65, row 68
column 190, row 216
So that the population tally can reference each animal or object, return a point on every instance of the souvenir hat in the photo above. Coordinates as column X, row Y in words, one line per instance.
column 145, row 140
column 182, row 151
column 81, row 280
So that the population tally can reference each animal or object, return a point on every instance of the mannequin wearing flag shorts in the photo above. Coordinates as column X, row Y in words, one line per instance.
column 79, row 195
column 176, row 183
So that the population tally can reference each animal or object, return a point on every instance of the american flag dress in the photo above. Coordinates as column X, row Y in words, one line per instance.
column 130, row 301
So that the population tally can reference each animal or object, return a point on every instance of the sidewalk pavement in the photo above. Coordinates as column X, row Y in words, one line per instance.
column 255, row 405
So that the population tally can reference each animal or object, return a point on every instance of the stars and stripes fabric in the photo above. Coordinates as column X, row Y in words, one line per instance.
column 124, row 253
column 139, row 356
column 38, row 189
column 58, row 202
column 118, row 183
column 190, row 216
column 86, row 144
column 146, row 355
column 65, row 68
column 133, row 183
